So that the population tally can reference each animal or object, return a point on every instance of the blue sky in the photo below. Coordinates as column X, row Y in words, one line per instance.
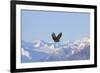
column 39, row 25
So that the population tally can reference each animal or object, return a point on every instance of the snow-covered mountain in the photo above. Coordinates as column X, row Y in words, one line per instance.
column 42, row 51
column 78, row 44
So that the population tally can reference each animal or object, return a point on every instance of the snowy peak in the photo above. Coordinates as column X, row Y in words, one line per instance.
column 38, row 43
column 81, row 44
column 78, row 44
column 84, row 40
column 44, row 47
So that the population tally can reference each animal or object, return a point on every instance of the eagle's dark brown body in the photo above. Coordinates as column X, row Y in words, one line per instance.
column 56, row 38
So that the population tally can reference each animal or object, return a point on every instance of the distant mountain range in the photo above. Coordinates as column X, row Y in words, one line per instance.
column 40, row 51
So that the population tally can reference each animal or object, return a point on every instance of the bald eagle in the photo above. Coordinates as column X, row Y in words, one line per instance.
column 56, row 38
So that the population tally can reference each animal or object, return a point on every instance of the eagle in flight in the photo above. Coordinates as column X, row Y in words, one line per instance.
column 56, row 38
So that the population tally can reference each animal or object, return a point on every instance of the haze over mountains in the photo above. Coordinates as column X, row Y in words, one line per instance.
column 41, row 51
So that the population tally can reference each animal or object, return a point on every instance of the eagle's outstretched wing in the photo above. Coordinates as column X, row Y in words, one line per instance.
column 59, row 35
column 53, row 36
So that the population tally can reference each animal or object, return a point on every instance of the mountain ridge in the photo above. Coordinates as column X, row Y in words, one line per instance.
column 56, row 51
